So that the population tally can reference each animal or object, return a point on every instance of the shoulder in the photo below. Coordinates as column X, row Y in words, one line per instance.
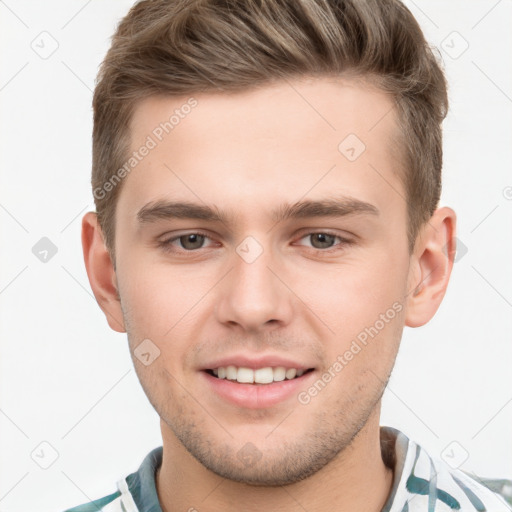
column 137, row 491
column 423, row 481
column 110, row 503
column 460, row 490
column 492, row 489
column 500, row 486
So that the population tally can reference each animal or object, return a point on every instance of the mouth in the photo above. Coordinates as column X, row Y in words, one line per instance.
column 257, row 376
column 256, row 384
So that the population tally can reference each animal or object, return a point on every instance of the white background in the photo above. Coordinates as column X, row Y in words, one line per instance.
column 68, row 380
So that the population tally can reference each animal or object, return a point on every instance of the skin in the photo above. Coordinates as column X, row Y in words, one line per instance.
column 247, row 154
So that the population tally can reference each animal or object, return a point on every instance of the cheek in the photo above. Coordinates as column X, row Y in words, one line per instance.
column 362, row 306
column 160, row 300
column 357, row 293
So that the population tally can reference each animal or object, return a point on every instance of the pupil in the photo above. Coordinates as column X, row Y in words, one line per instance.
column 195, row 241
column 324, row 240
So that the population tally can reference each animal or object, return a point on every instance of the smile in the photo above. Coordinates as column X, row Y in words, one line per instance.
column 266, row 375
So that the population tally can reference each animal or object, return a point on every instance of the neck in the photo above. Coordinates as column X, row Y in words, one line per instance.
column 356, row 479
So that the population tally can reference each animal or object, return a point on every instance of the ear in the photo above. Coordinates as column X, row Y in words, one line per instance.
column 100, row 271
column 431, row 267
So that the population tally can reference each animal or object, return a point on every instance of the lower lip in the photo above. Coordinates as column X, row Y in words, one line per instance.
column 257, row 396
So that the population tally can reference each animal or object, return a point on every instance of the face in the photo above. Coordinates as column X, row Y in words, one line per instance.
column 265, row 232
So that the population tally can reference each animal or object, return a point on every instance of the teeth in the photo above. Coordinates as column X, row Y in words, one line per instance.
column 231, row 372
column 245, row 375
column 264, row 375
column 260, row 376
column 291, row 373
column 279, row 373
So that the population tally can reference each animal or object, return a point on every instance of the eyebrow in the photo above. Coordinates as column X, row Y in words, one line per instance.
column 330, row 207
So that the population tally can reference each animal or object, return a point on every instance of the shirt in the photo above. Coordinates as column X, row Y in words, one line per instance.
column 421, row 483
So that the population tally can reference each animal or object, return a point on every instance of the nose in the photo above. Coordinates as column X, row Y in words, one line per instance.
column 254, row 295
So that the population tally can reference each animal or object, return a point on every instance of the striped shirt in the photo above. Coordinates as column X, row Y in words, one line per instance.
column 421, row 483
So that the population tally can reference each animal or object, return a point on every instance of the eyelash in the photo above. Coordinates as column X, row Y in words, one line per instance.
column 166, row 244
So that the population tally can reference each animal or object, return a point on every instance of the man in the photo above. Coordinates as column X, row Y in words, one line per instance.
column 267, row 177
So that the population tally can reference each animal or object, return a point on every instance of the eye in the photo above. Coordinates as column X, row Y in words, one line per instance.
column 193, row 241
column 187, row 242
column 323, row 240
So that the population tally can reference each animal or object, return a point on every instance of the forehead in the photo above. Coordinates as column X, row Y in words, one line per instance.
column 334, row 105
column 284, row 141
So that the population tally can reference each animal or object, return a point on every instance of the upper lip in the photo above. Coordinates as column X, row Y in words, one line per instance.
column 254, row 362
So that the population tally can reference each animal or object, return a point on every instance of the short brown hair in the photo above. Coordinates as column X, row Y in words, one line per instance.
column 180, row 47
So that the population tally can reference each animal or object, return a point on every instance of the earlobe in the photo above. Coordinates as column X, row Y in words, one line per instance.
column 432, row 263
column 100, row 271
